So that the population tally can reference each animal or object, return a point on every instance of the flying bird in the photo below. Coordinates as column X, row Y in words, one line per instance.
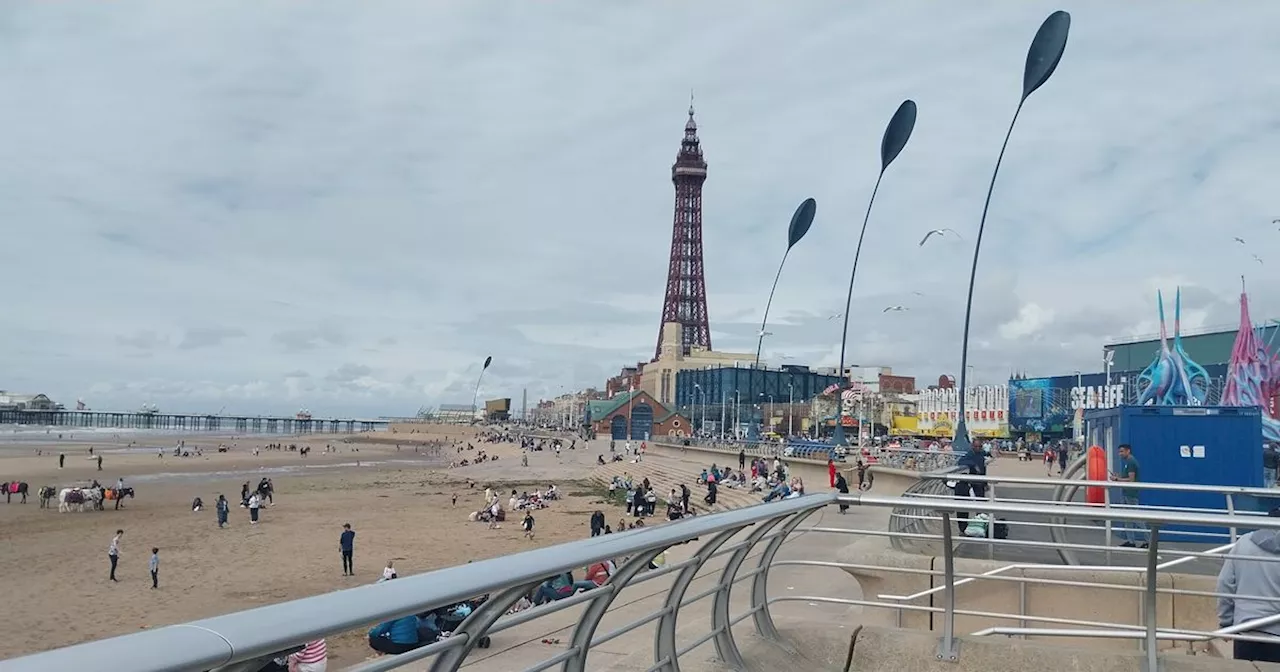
column 1257, row 258
column 918, row 293
column 896, row 309
column 834, row 316
column 940, row 232
column 1238, row 239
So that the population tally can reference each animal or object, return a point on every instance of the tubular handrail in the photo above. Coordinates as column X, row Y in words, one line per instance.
column 266, row 631
column 1135, row 485
column 1065, row 568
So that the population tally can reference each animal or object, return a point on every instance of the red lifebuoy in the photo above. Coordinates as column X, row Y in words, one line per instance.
column 1097, row 471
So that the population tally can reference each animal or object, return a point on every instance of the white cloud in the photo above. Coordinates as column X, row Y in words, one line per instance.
column 402, row 190
column 1031, row 320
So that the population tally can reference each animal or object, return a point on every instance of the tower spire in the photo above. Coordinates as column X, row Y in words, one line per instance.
column 686, row 296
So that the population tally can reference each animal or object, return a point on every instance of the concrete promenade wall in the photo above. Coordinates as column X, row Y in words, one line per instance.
column 881, row 649
column 814, row 472
column 1110, row 597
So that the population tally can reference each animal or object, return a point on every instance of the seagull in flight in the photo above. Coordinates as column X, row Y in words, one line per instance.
column 834, row 316
column 764, row 333
column 1257, row 258
column 918, row 293
column 939, row 232
column 896, row 309
column 1238, row 239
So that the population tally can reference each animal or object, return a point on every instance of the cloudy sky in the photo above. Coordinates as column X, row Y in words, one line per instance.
column 268, row 206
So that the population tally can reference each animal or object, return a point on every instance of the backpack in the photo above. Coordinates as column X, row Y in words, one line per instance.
column 977, row 526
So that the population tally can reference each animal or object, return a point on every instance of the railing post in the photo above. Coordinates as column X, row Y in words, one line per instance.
column 590, row 619
column 726, row 647
column 760, row 586
column 947, row 648
column 1231, row 510
column 1106, row 503
column 1022, row 600
column 1151, row 614
column 991, row 523
column 664, row 640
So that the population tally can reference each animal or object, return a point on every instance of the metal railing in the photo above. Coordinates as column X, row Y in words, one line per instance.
column 938, row 485
column 747, row 540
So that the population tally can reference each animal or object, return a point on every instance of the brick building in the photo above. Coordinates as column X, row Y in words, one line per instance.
column 638, row 412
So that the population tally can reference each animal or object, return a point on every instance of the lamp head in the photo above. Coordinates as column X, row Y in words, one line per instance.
column 897, row 133
column 1045, row 52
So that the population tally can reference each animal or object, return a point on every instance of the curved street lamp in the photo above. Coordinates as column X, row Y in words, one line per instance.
column 476, row 395
column 1042, row 59
column 896, row 135
column 800, row 223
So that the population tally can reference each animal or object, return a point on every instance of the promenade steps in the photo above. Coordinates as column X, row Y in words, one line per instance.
column 665, row 473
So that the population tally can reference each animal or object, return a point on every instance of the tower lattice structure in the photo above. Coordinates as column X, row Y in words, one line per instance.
column 686, row 298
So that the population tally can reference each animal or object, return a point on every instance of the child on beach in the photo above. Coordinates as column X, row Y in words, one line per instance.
column 528, row 525
column 389, row 572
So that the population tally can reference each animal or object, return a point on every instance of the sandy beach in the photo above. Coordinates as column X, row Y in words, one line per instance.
column 399, row 502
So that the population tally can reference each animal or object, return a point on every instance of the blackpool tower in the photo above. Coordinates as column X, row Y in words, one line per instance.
column 686, row 299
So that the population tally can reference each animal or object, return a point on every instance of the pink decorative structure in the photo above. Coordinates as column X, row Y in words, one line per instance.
column 1253, row 375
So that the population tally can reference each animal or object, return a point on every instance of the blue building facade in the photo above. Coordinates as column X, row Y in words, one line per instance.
column 1048, row 405
column 729, row 385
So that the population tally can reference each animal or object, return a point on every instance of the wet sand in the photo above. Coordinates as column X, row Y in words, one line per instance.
column 399, row 502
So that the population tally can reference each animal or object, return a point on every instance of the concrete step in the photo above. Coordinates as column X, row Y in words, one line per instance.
column 665, row 474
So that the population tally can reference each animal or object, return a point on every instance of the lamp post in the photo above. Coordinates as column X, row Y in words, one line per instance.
column 737, row 413
column 723, row 419
column 895, row 139
column 1078, row 408
column 791, row 410
column 1107, row 361
column 697, row 390
column 1042, row 59
column 476, row 395
column 801, row 220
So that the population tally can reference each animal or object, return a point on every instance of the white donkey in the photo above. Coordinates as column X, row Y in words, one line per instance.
column 78, row 498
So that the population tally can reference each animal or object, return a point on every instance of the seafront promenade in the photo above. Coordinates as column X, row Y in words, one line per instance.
column 795, row 584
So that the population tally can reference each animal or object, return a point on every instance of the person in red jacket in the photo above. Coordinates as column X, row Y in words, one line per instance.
column 831, row 471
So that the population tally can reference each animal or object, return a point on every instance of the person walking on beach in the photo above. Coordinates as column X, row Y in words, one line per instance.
column 99, row 462
column 527, row 525
column 742, row 459
column 347, row 547
column 62, row 460
column 113, row 554
column 223, row 507
column 155, row 568
column 254, row 503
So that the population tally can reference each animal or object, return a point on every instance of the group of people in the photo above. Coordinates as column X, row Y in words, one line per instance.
column 407, row 633
column 113, row 558
column 493, row 512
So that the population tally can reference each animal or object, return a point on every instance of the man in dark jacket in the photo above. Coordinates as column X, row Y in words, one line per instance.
column 842, row 487
column 972, row 463
column 597, row 524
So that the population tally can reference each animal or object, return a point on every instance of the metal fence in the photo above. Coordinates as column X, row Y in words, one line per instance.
column 745, row 543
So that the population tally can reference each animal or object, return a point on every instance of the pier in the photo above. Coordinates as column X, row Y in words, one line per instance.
column 191, row 422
